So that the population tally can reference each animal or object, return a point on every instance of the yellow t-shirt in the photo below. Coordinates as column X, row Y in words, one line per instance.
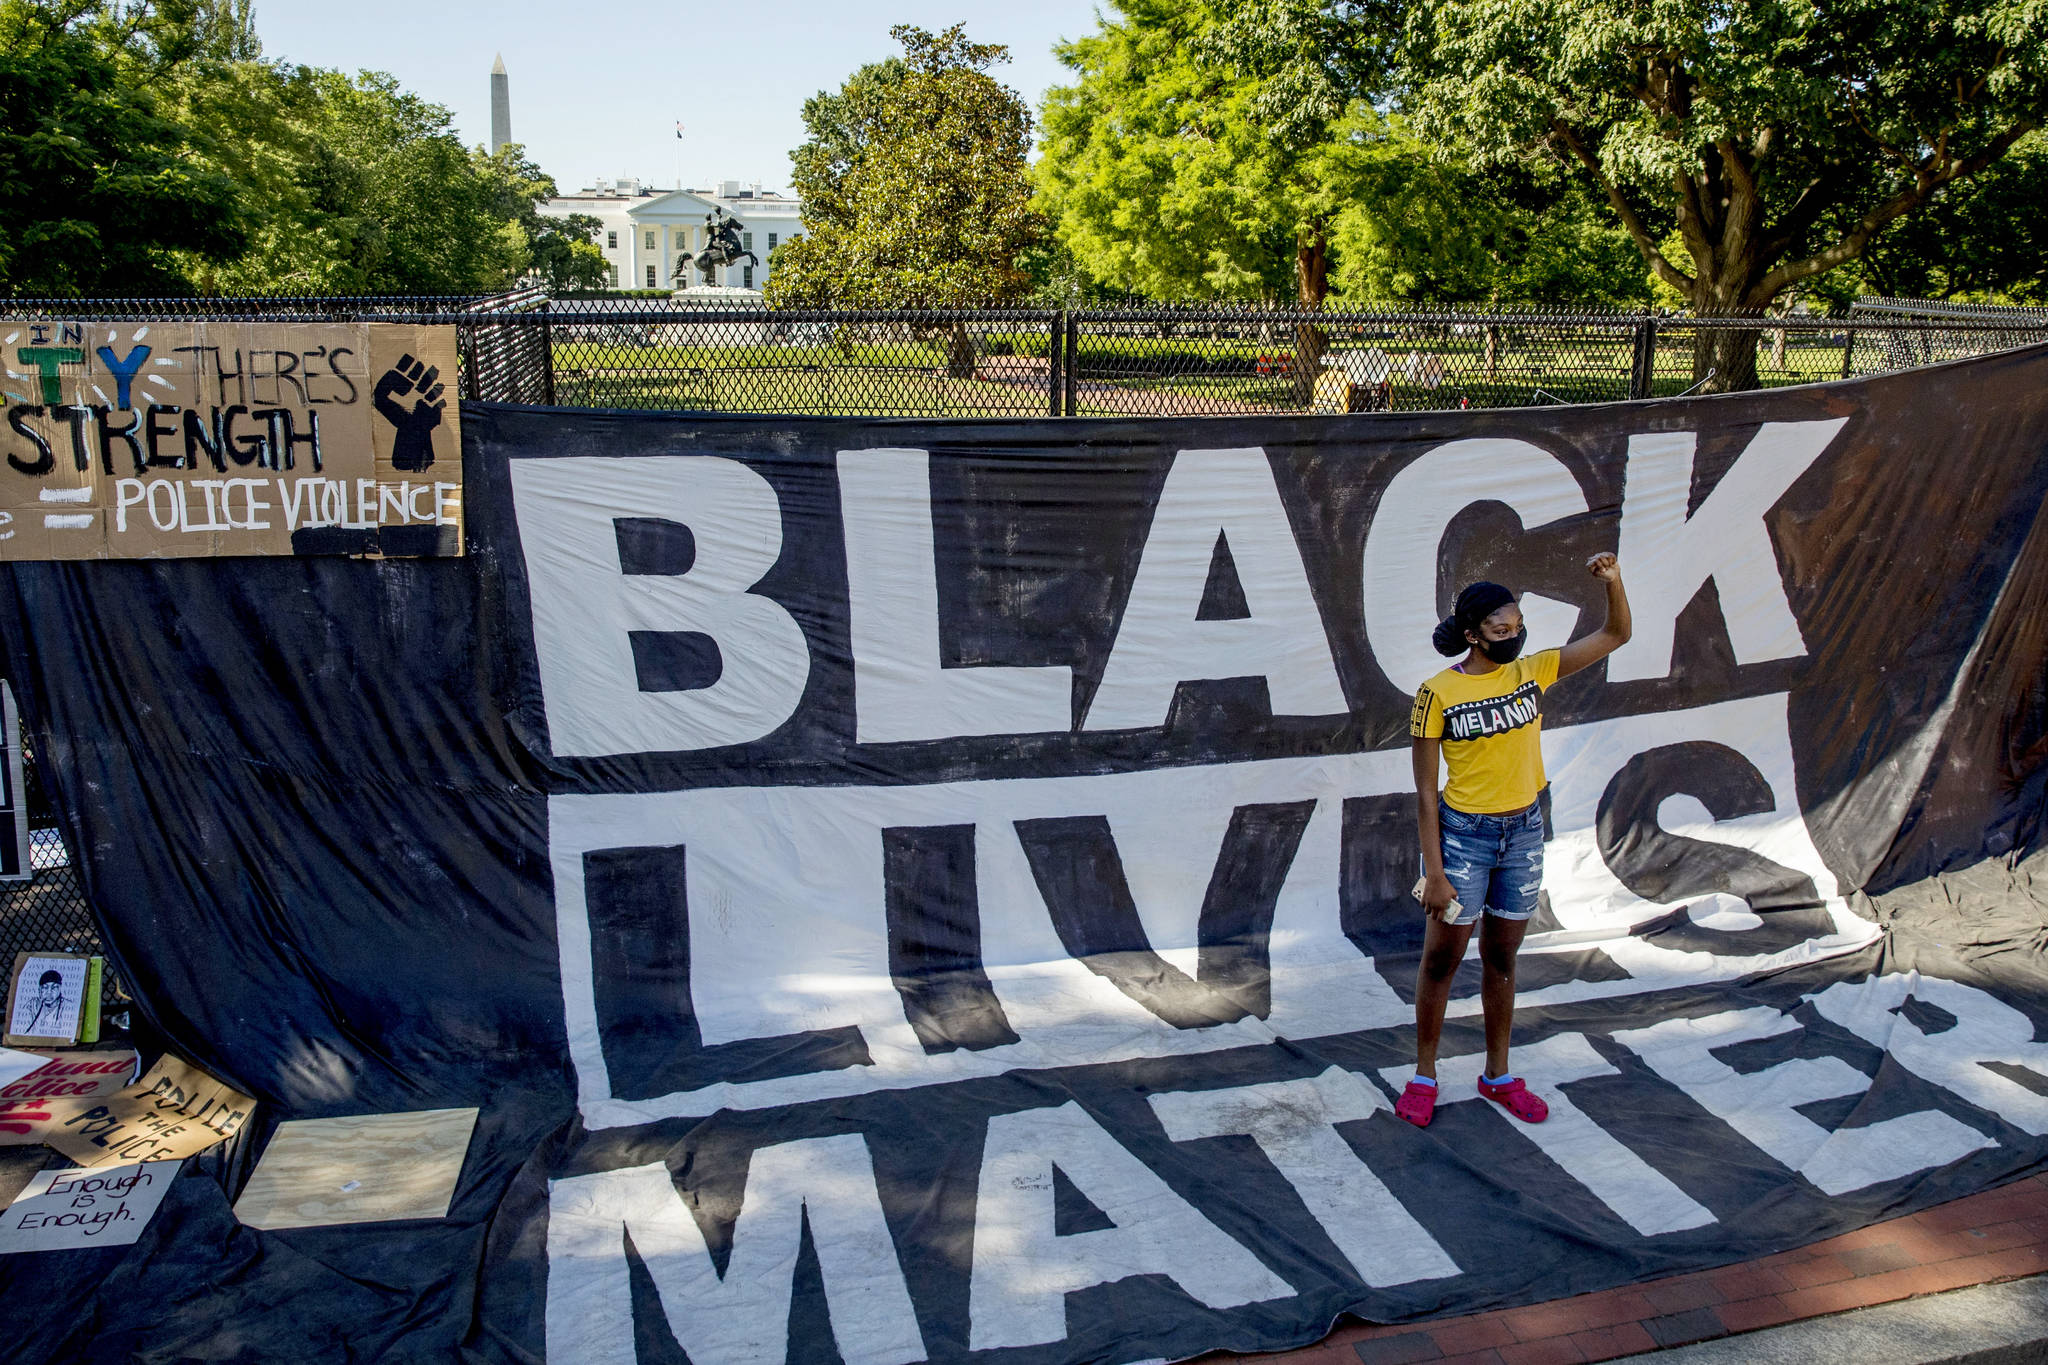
column 1491, row 726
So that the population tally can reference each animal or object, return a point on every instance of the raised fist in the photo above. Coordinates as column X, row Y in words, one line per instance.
column 1604, row 567
column 412, row 445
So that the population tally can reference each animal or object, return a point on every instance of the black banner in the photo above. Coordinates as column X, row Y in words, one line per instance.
column 919, row 890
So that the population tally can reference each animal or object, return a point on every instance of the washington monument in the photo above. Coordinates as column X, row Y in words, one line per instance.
column 501, row 105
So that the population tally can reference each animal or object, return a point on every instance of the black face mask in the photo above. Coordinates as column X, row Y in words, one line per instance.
column 1505, row 651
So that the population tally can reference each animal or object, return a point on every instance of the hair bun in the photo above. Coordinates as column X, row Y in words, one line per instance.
column 1448, row 639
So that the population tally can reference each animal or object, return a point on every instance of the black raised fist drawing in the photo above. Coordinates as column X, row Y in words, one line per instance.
column 412, row 448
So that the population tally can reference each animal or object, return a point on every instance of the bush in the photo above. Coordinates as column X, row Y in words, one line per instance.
column 610, row 294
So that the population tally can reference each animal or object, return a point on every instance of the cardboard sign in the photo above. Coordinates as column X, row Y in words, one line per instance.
column 155, row 440
column 358, row 1168
column 60, row 1210
column 174, row 1111
column 74, row 1076
column 26, row 1101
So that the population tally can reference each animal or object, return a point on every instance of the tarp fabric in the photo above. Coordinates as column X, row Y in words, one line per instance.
column 926, row 890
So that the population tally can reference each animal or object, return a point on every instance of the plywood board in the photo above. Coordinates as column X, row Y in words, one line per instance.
column 363, row 1168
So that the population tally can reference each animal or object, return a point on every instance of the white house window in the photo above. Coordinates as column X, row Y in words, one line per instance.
column 771, row 242
column 746, row 241
column 611, row 239
column 650, row 277
column 615, row 276
column 747, row 276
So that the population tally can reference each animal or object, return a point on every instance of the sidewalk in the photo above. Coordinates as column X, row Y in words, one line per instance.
column 2001, row 1234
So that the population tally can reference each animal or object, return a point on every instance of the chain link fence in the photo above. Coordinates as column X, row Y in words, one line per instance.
column 50, row 911
column 721, row 354
column 728, row 355
column 1917, row 332
column 650, row 353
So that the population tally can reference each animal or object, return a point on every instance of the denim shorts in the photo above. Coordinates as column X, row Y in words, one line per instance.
column 1494, row 862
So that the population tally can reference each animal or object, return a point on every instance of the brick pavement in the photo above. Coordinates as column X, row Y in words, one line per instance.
column 2000, row 1234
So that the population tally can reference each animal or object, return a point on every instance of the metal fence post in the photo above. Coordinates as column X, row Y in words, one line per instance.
column 1055, row 340
column 1643, row 374
column 1073, row 363
column 465, row 333
column 547, row 353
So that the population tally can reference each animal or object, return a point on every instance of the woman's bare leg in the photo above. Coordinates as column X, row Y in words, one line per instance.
column 1499, row 941
column 1443, row 948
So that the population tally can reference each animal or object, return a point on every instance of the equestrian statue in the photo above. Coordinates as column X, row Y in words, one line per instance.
column 722, row 247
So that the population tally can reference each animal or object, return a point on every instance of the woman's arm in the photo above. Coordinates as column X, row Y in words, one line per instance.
column 1437, row 891
column 1588, row 650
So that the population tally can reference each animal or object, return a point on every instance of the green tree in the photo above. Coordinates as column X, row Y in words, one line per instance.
column 358, row 186
column 266, row 117
column 1158, row 175
column 146, row 147
column 98, row 190
column 419, row 213
column 841, row 124
column 1779, row 138
column 561, row 251
column 1981, row 240
column 1174, row 173
column 1415, row 226
column 1213, row 149
column 1170, row 173
column 914, row 186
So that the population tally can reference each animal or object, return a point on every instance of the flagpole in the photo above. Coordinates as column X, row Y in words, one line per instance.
column 680, row 280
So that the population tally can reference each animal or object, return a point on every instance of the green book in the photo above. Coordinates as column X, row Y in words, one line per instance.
column 89, row 1012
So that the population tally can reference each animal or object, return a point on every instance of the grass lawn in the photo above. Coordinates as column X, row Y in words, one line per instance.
column 1119, row 374
column 821, row 391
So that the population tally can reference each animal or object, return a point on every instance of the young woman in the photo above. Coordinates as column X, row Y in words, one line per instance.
column 1482, row 838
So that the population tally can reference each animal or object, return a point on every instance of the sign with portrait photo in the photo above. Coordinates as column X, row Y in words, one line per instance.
column 46, row 998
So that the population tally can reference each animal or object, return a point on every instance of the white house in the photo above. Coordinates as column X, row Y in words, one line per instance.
column 645, row 229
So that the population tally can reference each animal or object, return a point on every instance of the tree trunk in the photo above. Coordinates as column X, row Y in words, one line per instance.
column 1724, row 359
column 960, row 353
column 1309, row 345
column 1727, row 267
column 1312, row 284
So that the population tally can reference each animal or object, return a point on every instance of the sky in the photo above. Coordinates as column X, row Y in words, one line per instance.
column 597, row 89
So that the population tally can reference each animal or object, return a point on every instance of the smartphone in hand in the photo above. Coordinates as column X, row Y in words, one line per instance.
column 1451, row 911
